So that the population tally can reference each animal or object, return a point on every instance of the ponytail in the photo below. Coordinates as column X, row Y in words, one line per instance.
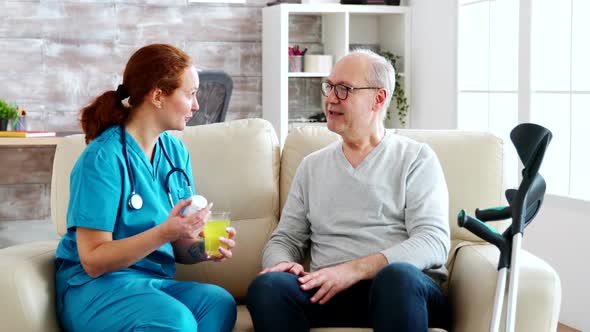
column 156, row 65
column 105, row 111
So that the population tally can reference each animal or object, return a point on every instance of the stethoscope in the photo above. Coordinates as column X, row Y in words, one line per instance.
column 135, row 202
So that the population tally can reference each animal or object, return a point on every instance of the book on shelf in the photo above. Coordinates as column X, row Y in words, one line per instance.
column 27, row 133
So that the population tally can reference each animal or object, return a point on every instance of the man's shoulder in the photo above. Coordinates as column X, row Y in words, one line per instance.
column 409, row 150
column 404, row 144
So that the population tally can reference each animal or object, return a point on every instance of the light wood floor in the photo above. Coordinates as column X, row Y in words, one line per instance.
column 565, row 328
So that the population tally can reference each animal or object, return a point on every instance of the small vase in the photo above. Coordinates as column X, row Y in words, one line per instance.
column 21, row 124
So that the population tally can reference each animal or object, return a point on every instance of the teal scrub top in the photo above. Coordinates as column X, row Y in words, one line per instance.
column 99, row 192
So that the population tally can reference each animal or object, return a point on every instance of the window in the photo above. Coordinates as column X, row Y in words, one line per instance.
column 549, row 85
column 488, row 71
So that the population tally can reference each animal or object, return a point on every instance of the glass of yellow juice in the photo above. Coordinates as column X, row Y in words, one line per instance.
column 214, row 229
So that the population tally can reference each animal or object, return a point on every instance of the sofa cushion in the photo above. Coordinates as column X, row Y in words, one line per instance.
column 28, row 292
column 66, row 154
column 473, row 285
column 236, row 274
column 473, row 163
column 236, row 166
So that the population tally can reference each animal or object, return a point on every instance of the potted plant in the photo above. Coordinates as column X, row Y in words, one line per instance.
column 7, row 113
column 399, row 95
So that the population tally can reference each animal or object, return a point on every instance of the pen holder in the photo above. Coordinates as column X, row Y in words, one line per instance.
column 21, row 124
column 295, row 63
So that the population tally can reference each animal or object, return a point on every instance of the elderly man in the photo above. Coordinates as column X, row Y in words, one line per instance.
column 373, row 210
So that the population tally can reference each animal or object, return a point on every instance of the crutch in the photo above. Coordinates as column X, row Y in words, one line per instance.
column 530, row 141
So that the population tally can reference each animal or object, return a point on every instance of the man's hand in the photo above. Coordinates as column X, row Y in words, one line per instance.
column 290, row 267
column 331, row 281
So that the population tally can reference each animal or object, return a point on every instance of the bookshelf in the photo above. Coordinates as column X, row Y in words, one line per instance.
column 342, row 27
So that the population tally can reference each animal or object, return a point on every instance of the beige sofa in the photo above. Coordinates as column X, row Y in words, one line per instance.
column 238, row 166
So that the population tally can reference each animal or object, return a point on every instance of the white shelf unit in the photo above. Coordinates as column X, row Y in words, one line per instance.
column 342, row 26
column 307, row 74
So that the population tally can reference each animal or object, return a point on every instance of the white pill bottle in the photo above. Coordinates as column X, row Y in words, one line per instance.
column 198, row 202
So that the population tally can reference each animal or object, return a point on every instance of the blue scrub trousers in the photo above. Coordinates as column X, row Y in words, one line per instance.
column 400, row 298
column 136, row 301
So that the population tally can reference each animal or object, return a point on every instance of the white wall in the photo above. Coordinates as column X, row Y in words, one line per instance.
column 560, row 234
column 434, row 64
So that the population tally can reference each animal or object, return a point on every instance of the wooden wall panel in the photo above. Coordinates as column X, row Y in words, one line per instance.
column 65, row 53
column 198, row 21
column 24, row 201
column 236, row 58
column 63, row 121
column 305, row 28
column 246, row 98
column 25, row 56
column 305, row 97
column 84, row 58
column 25, row 180
column 26, row 165
column 91, row 20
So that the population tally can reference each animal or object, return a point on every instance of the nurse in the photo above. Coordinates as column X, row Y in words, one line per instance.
column 126, row 229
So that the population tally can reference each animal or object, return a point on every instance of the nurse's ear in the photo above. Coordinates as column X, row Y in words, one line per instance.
column 155, row 97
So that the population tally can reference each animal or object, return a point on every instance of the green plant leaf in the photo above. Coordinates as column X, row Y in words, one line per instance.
column 398, row 93
column 8, row 111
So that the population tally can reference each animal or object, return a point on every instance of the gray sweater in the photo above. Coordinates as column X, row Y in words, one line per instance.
column 395, row 202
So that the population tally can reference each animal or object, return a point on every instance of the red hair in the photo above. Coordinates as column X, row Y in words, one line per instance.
column 152, row 66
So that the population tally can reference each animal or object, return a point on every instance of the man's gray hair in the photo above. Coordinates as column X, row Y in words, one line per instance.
column 382, row 74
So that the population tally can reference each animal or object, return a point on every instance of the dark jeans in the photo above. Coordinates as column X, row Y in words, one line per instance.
column 400, row 298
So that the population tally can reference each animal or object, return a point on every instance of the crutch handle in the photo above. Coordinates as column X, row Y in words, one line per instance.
column 477, row 227
column 495, row 213
column 486, row 233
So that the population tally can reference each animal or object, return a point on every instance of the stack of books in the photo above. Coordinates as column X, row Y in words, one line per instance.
column 27, row 133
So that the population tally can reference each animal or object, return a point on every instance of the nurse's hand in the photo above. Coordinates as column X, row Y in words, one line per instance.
column 177, row 226
column 229, row 242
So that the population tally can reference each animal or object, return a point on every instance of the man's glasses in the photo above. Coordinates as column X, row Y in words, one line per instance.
column 340, row 90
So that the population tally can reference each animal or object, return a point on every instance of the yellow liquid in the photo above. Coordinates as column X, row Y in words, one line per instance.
column 214, row 229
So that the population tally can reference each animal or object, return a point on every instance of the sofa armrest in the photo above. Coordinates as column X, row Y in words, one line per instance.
column 27, row 276
column 473, row 284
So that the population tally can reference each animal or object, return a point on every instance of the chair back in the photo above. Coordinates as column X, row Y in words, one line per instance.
column 215, row 90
